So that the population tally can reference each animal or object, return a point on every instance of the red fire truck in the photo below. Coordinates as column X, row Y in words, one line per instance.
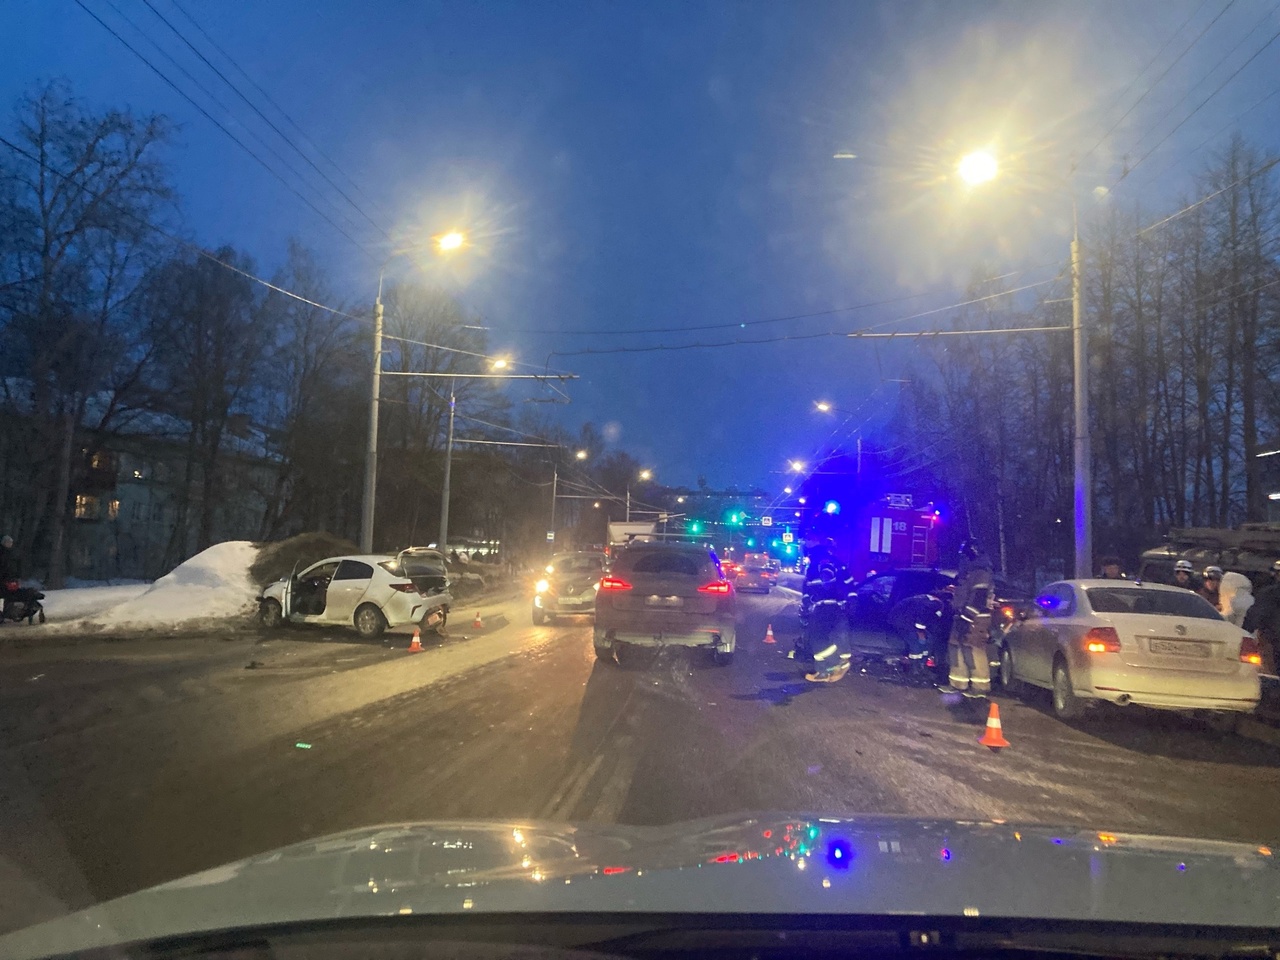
column 890, row 532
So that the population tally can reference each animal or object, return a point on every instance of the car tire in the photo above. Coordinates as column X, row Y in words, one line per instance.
column 444, row 622
column 270, row 614
column 539, row 616
column 1008, row 681
column 369, row 621
column 603, row 648
column 722, row 658
column 1066, row 705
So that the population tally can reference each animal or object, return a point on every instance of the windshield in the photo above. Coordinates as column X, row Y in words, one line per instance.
column 453, row 425
column 1162, row 603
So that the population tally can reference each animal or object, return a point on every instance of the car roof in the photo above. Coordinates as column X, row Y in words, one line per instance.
column 685, row 545
column 577, row 553
column 1112, row 584
column 370, row 558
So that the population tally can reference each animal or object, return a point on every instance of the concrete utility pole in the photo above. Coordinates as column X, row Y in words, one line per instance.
column 1083, row 481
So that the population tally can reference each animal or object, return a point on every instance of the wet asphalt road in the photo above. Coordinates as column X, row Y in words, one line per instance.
column 134, row 762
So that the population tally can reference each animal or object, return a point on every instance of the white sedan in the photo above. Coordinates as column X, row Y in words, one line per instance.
column 370, row 593
column 1130, row 642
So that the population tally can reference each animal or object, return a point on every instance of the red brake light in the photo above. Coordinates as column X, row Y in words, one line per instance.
column 1102, row 640
column 404, row 587
column 613, row 583
column 1250, row 652
column 715, row 586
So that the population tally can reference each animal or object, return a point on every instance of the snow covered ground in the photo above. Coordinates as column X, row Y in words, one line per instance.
column 212, row 585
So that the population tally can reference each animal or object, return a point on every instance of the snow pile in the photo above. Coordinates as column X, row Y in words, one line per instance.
column 75, row 603
column 214, row 584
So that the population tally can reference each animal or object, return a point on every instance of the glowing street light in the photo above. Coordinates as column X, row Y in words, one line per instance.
column 786, row 489
column 448, row 242
column 501, row 363
column 581, row 455
column 646, row 474
column 823, row 406
column 797, row 465
column 977, row 167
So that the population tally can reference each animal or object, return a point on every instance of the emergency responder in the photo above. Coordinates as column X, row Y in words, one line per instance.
column 970, row 670
column 1263, row 619
column 1211, row 584
column 1184, row 575
column 923, row 622
column 825, row 632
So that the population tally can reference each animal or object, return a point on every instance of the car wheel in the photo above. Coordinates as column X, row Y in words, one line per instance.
column 603, row 648
column 539, row 616
column 441, row 623
column 1011, row 684
column 270, row 613
column 722, row 658
column 369, row 621
column 1066, row 705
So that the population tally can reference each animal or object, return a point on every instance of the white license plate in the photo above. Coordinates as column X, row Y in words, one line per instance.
column 664, row 601
column 574, row 601
column 1180, row 648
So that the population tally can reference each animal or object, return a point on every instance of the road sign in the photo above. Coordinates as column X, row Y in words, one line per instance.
column 551, row 536
column 788, row 537
column 766, row 521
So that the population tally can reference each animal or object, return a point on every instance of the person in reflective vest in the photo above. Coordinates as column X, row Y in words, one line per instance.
column 970, row 670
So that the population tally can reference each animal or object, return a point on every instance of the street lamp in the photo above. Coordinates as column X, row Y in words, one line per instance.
column 501, row 363
column 580, row 455
column 822, row 406
column 797, row 466
column 980, row 167
column 786, row 489
column 445, row 243
column 644, row 475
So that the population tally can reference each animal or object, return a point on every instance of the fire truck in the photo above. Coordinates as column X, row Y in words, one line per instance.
column 891, row 532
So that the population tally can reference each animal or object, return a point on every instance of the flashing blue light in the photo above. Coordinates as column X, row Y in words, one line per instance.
column 831, row 507
column 839, row 854
column 1182, row 867
column 751, row 542
column 1058, row 841
column 946, row 854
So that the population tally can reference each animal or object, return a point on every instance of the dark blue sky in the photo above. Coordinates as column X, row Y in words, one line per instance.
column 670, row 164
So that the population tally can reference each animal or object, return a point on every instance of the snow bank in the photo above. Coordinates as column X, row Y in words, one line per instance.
column 214, row 584
column 76, row 603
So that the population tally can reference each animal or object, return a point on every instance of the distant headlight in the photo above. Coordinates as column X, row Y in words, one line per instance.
column 542, row 586
column 549, row 568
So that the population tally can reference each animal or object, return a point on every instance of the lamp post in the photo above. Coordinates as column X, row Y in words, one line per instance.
column 981, row 167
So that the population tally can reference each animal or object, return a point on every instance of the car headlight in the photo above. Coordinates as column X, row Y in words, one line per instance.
column 542, row 586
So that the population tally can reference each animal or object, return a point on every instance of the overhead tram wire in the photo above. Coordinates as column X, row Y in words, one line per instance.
column 267, row 97
column 265, row 119
column 1152, row 85
column 158, row 72
column 797, row 336
column 223, row 107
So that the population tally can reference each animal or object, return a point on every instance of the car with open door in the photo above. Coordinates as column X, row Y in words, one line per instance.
column 1130, row 642
column 567, row 586
column 369, row 592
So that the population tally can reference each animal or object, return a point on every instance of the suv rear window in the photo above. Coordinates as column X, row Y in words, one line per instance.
column 1160, row 603
column 667, row 561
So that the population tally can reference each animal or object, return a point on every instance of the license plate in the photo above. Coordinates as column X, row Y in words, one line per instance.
column 1181, row 648
column 573, row 601
column 664, row 601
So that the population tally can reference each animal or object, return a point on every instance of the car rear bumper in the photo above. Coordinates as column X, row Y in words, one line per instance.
column 712, row 635
column 406, row 608
column 1239, row 690
column 1165, row 701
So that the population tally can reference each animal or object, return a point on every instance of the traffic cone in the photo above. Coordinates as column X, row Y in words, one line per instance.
column 477, row 623
column 768, row 635
column 993, row 736
column 415, row 645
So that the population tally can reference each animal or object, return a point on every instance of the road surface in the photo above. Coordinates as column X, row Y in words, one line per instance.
column 134, row 762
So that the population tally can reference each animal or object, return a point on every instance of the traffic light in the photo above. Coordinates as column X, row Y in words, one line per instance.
column 695, row 527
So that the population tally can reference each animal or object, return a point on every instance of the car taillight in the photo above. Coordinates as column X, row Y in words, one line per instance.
column 715, row 586
column 608, row 584
column 1250, row 652
column 404, row 587
column 1102, row 640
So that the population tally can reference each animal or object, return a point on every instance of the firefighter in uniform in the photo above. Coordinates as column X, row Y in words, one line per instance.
column 970, row 672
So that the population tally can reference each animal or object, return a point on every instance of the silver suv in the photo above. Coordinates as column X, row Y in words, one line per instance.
column 659, row 594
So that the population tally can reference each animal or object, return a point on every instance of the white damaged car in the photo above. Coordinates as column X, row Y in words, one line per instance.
column 370, row 592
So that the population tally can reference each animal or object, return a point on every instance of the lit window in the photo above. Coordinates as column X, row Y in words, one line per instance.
column 113, row 509
column 101, row 461
column 86, row 507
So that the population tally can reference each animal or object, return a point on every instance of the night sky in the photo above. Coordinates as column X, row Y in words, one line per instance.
column 626, row 166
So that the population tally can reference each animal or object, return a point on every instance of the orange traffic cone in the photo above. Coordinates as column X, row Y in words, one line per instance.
column 993, row 736
column 477, row 623
column 415, row 645
column 768, row 634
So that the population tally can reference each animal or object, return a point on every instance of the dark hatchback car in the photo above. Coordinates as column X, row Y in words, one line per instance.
column 567, row 586
column 873, row 602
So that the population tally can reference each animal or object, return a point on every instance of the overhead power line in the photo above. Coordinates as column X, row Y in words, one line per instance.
column 267, row 97
column 265, row 119
column 243, row 146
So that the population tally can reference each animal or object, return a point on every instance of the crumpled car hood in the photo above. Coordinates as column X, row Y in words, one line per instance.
column 765, row 863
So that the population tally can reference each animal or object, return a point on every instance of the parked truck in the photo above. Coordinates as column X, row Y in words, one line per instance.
column 1250, row 548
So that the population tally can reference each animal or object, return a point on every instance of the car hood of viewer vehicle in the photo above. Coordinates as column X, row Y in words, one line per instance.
column 766, row 863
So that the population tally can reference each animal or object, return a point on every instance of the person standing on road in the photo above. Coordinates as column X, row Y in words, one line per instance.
column 1211, row 586
column 1235, row 597
column 1184, row 575
column 1263, row 620
column 970, row 670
